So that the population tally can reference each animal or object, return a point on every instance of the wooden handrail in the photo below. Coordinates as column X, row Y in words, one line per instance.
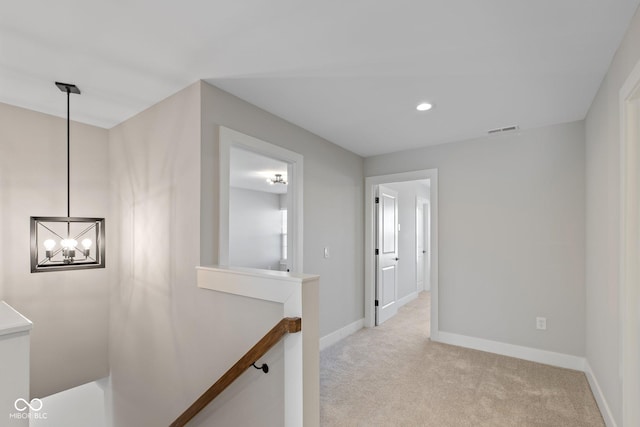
column 285, row 326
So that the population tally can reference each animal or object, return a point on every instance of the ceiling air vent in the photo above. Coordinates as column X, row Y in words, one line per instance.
column 504, row 129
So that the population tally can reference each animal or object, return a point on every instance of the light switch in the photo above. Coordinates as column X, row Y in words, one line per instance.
column 326, row 252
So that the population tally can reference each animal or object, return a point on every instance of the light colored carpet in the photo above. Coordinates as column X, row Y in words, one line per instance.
column 393, row 375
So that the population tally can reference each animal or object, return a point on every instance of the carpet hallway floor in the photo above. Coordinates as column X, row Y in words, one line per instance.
column 393, row 375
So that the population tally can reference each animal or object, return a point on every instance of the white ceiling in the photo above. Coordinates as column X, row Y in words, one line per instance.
column 349, row 71
column 250, row 171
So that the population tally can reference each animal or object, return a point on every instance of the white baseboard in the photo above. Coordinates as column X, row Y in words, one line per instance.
column 599, row 396
column 334, row 337
column 405, row 300
column 527, row 353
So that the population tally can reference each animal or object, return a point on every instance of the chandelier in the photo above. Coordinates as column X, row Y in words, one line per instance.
column 67, row 243
column 277, row 180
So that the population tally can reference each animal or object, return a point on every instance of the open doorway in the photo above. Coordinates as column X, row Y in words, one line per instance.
column 401, row 245
column 384, row 284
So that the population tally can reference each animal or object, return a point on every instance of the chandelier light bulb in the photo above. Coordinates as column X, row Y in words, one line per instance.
column 69, row 243
column 86, row 243
column 49, row 244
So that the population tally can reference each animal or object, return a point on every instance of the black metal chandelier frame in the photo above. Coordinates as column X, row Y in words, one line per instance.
column 70, row 256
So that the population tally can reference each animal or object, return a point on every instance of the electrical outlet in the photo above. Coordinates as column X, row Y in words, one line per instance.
column 541, row 323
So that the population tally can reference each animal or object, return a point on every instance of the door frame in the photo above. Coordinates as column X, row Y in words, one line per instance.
column 231, row 138
column 369, row 241
column 629, row 295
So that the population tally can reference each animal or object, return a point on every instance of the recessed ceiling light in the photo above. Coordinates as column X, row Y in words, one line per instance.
column 424, row 106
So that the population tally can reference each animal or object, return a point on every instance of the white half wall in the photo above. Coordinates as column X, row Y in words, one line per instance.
column 510, row 235
column 14, row 366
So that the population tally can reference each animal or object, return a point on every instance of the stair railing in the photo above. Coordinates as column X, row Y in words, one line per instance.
column 287, row 325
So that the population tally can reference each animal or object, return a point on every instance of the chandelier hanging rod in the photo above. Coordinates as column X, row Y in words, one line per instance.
column 69, row 89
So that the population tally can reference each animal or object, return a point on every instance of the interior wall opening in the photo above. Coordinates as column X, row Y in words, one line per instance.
column 400, row 244
column 401, row 260
column 261, row 200
column 258, row 206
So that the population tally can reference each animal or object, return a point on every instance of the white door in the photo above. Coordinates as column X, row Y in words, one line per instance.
column 387, row 254
column 421, row 250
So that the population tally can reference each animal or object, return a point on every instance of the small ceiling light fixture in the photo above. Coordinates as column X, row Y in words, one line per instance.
column 47, row 231
column 277, row 180
column 424, row 106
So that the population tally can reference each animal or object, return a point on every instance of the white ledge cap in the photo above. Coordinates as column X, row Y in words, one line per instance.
column 11, row 321
column 256, row 272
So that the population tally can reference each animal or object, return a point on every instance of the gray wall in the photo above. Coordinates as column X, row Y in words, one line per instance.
column 255, row 227
column 167, row 336
column 69, row 309
column 407, row 192
column 511, row 234
column 603, row 222
column 333, row 201
column 169, row 339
